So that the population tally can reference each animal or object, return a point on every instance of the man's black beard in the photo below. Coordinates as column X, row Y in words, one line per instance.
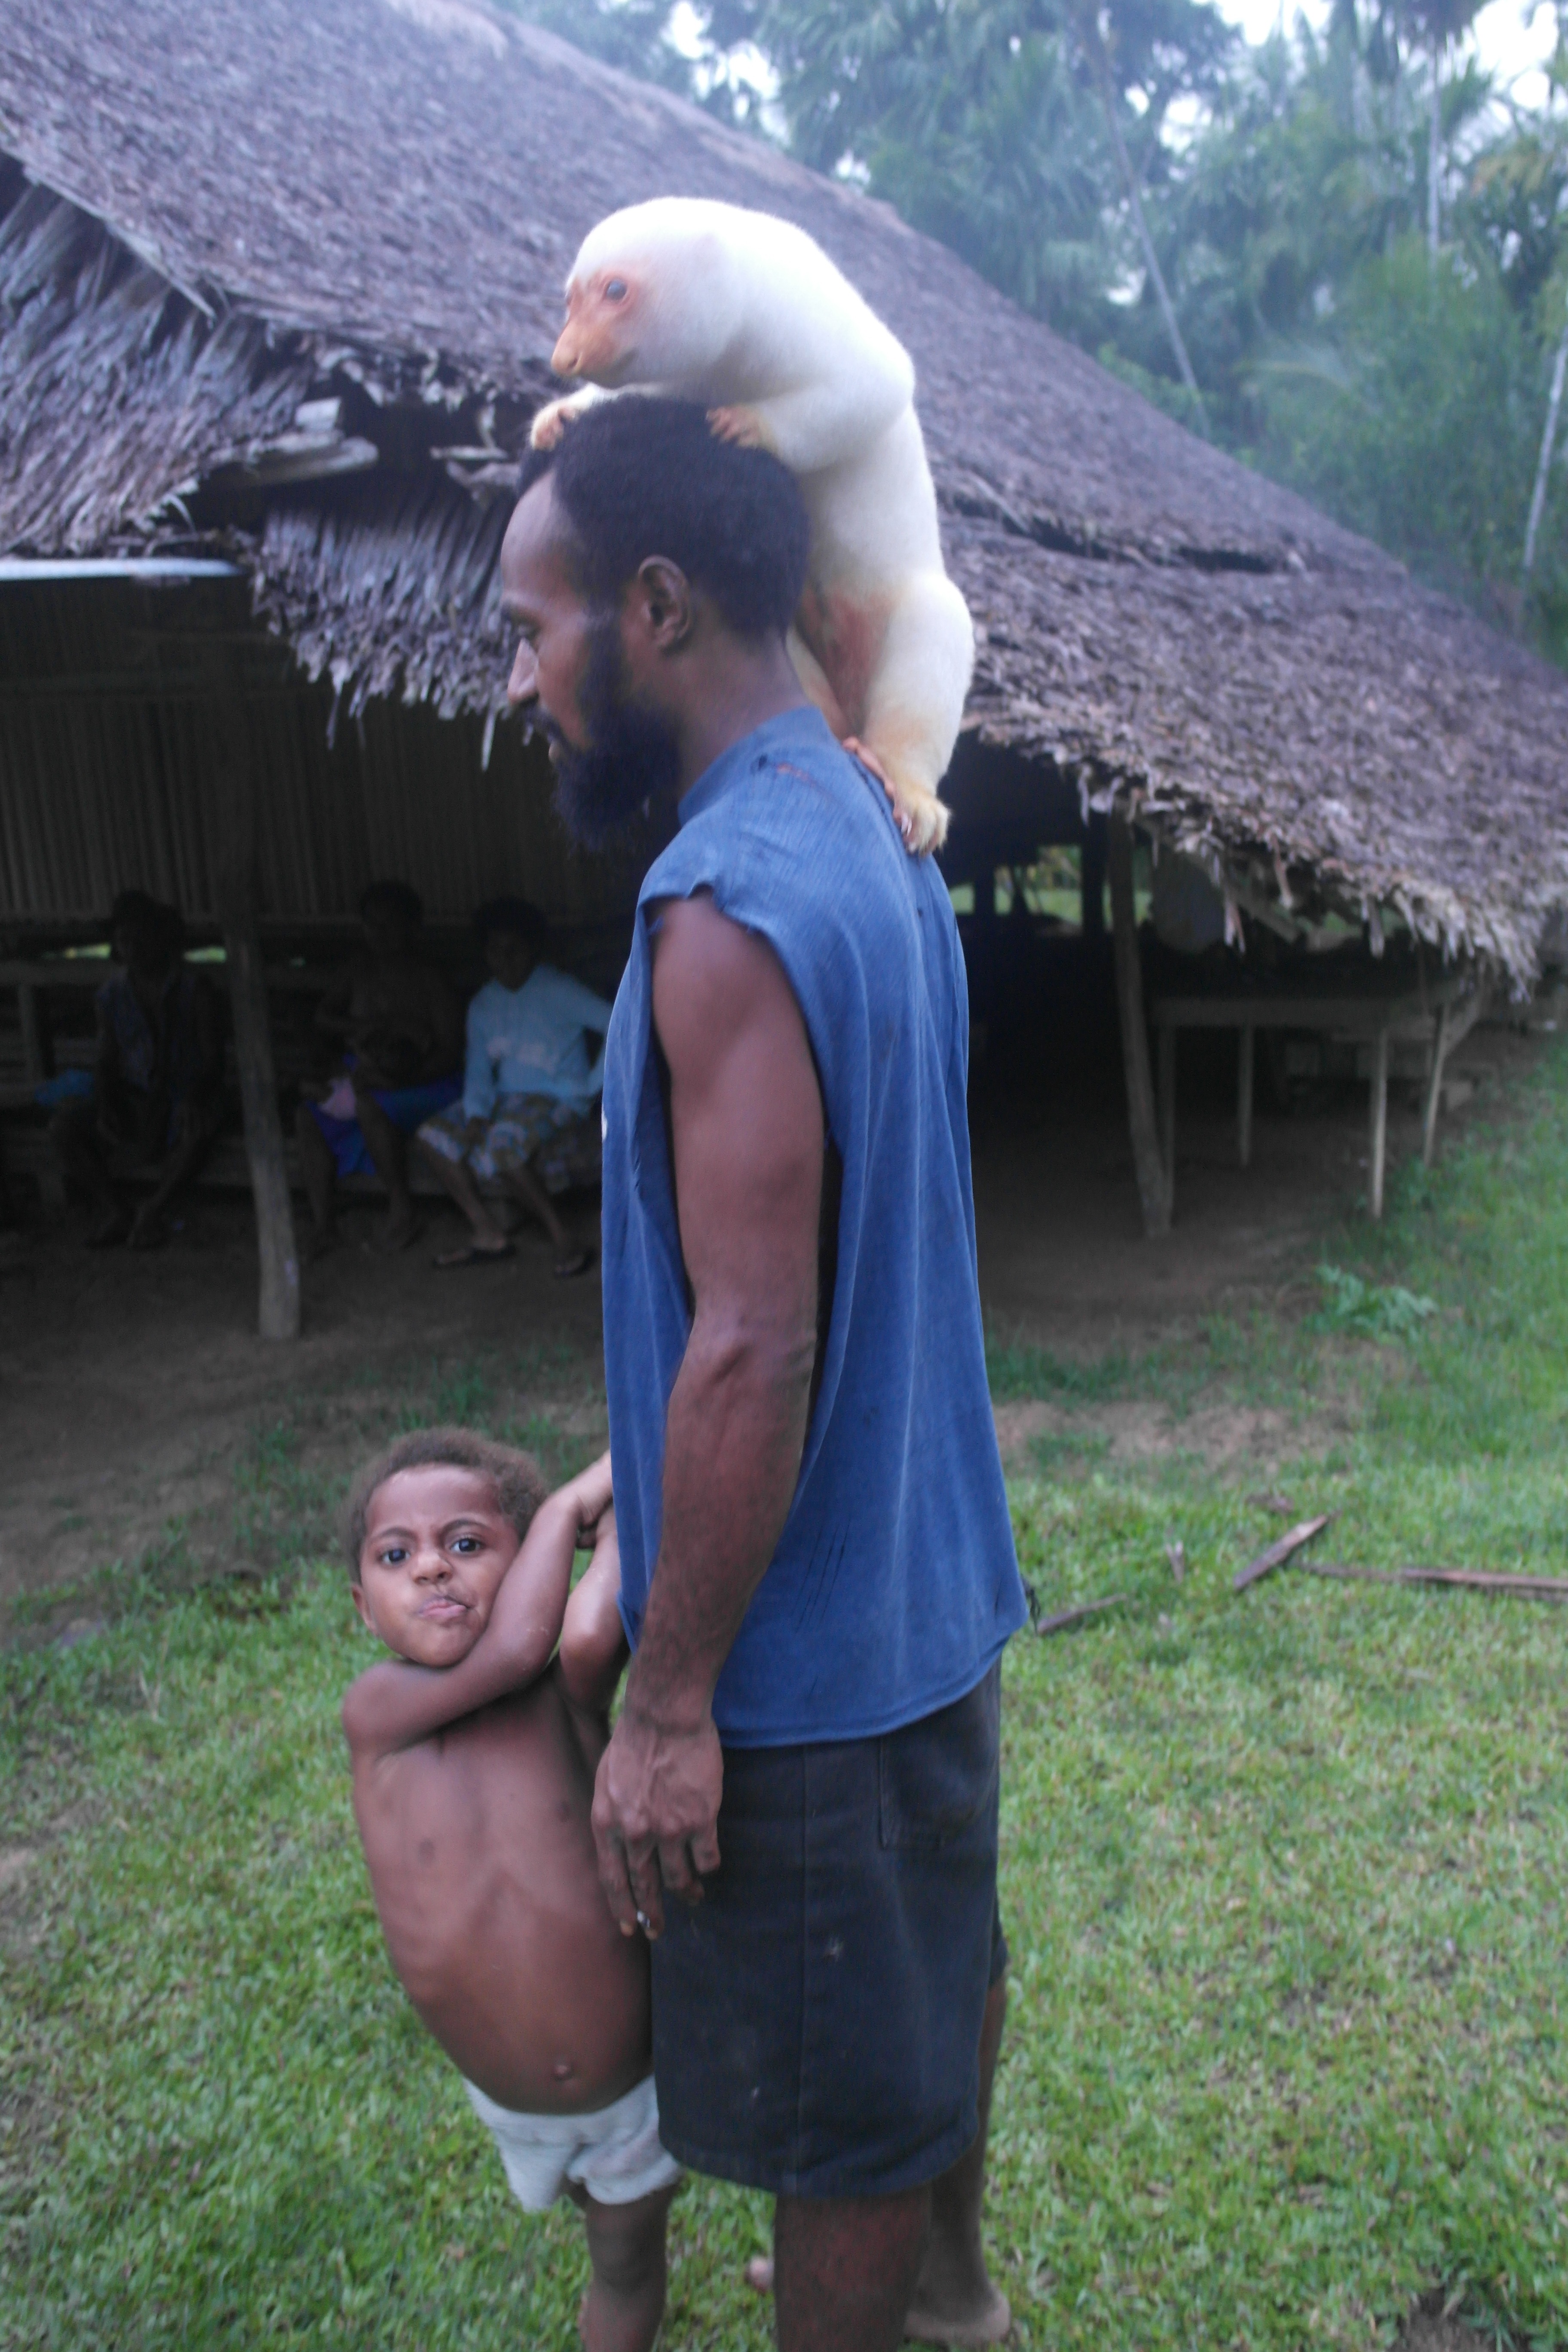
column 633, row 756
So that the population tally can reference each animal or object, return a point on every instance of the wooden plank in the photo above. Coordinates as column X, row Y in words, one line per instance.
column 1469, row 1580
column 1377, row 1141
column 56, row 971
column 1066, row 1617
column 91, row 971
column 1279, row 1553
column 1361, row 1015
column 1435, row 1086
column 1154, row 1188
column 1246, row 1057
column 237, row 904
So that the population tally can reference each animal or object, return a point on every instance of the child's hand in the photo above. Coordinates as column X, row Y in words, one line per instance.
column 591, row 1495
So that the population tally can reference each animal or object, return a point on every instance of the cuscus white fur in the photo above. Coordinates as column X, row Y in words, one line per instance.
column 746, row 313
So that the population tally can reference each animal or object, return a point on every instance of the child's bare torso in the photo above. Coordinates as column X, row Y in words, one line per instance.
column 481, row 1861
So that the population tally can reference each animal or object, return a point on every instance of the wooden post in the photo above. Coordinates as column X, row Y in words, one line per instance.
column 1244, row 1069
column 1153, row 1193
column 237, row 911
column 1165, row 1097
column 1433, row 1086
column 1091, row 879
column 1379, row 1124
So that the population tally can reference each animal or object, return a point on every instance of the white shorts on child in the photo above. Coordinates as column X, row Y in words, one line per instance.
column 614, row 2154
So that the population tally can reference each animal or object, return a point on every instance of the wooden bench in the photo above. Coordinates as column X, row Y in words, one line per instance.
column 1437, row 1013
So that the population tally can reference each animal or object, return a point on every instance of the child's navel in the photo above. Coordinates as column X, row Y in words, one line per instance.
column 562, row 2070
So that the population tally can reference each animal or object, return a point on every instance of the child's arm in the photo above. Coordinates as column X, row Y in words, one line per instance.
column 594, row 1647
column 397, row 1704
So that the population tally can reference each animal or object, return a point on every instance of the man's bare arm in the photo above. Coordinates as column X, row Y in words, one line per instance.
column 397, row 1704
column 747, row 1131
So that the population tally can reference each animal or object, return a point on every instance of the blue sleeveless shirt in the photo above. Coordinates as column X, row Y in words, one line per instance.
column 895, row 1583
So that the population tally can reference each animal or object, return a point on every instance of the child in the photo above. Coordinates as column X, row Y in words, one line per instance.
column 474, row 1758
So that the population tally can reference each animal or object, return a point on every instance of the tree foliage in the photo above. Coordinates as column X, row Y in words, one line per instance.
column 1343, row 253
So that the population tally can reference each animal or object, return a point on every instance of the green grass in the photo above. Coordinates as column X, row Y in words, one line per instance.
column 1285, row 1874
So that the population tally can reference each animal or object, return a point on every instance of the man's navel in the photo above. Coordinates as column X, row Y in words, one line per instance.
column 562, row 2070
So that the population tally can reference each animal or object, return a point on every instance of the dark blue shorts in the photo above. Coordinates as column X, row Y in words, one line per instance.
column 816, row 2017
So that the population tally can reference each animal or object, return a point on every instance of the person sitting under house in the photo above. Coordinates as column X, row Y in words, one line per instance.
column 398, row 1028
column 529, row 1091
column 157, row 1078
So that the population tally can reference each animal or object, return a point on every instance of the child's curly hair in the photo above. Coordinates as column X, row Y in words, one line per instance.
column 519, row 1484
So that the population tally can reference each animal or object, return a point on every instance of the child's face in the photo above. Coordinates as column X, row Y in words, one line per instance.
column 436, row 1548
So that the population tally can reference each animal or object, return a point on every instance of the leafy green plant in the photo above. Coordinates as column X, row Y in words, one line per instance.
column 1372, row 1310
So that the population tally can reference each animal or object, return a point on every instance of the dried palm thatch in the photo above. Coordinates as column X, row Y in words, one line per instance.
column 265, row 244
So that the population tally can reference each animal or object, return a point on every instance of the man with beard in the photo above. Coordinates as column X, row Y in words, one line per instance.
column 817, row 1567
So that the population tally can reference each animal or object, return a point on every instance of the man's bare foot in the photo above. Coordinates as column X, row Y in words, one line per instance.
column 977, row 2320
column 988, row 2322
column 318, row 1242
column 148, row 1230
column 109, row 1231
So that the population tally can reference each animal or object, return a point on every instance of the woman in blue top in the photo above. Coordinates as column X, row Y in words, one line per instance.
column 529, row 1087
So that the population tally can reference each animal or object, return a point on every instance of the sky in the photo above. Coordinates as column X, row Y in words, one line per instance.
column 1506, row 40
column 1512, row 37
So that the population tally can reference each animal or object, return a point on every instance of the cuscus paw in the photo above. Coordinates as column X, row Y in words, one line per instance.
column 549, row 425
column 743, row 426
column 551, row 421
column 923, row 820
column 920, row 817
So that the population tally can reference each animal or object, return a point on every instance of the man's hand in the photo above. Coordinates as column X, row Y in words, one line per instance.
column 656, row 1815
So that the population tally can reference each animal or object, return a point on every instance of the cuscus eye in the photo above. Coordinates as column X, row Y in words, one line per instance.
column 615, row 290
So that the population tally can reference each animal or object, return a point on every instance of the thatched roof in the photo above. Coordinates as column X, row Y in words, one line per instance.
column 236, row 208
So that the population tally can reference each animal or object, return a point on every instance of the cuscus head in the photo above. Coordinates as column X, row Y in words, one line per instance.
column 621, row 327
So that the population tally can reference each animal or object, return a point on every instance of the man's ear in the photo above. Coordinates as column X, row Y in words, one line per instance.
column 661, row 603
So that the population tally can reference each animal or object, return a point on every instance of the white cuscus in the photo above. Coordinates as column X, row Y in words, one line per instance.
column 746, row 313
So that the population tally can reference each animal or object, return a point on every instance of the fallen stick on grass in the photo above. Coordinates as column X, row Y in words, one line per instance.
column 1472, row 1580
column 1279, row 1553
column 1066, row 1617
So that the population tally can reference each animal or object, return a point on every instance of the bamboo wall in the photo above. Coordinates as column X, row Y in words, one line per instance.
column 110, row 760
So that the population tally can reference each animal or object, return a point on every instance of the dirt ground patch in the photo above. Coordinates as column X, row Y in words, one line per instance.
column 133, row 1386
column 1431, row 2328
column 130, row 1387
column 1260, row 1438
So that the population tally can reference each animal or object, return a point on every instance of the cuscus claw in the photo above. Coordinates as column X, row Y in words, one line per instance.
column 743, row 426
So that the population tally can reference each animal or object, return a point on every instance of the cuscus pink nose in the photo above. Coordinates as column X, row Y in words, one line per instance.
column 564, row 359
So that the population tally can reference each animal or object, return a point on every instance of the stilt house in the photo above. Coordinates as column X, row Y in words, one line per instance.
column 279, row 284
